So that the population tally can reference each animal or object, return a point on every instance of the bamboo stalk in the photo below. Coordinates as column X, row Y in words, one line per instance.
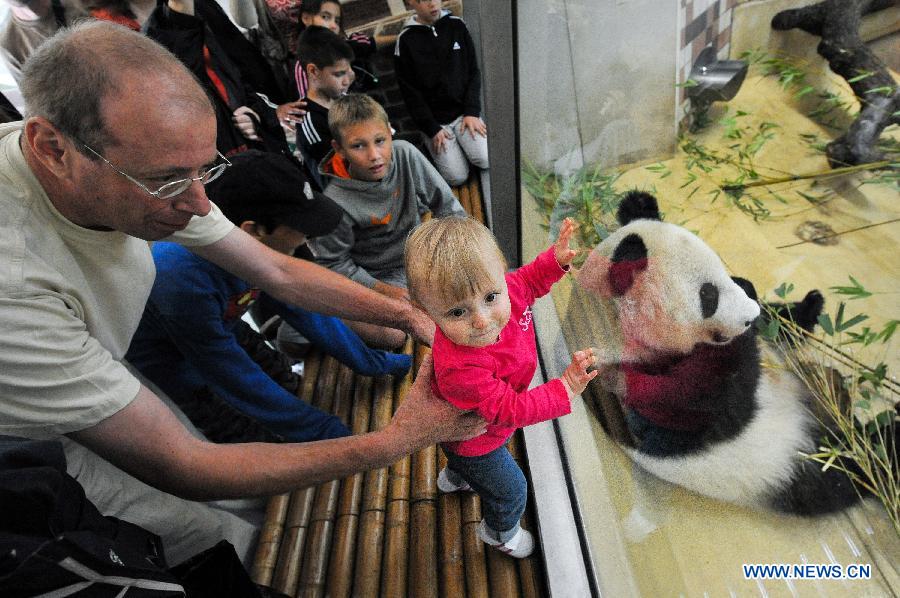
column 287, row 570
column 464, row 198
column 530, row 577
column 475, row 198
column 315, row 560
column 423, row 554
column 503, row 573
column 340, row 568
column 812, row 175
column 420, row 352
column 473, row 548
column 323, row 396
column 311, row 364
column 423, row 550
column 366, row 579
column 396, row 545
column 270, row 539
column 453, row 570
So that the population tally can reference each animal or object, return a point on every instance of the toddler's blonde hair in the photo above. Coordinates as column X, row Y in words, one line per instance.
column 352, row 109
column 448, row 254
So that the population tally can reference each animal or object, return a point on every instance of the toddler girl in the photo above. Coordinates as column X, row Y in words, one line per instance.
column 485, row 357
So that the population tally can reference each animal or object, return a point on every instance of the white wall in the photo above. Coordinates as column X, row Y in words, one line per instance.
column 596, row 81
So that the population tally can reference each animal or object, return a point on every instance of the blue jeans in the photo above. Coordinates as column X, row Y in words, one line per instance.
column 500, row 484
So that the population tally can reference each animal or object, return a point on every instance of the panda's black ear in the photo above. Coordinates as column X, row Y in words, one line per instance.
column 629, row 258
column 747, row 287
column 636, row 205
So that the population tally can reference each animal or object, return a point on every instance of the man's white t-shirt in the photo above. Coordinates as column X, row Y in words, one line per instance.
column 70, row 301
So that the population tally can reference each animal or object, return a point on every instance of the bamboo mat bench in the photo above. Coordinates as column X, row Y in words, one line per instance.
column 386, row 532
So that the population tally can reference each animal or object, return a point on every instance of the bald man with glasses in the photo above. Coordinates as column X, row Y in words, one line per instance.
column 117, row 144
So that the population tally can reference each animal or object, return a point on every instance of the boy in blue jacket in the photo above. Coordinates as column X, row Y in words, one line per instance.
column 186, row 339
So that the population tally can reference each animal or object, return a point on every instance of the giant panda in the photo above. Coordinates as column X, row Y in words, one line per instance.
column 701, row 411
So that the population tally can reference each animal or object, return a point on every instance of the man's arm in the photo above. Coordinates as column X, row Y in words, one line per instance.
column 147, row 440
column 310, row 286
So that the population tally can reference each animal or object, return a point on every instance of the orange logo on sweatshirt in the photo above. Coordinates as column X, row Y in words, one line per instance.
column 376, row 221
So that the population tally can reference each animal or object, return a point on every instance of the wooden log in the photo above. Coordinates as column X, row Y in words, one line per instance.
column 270, row 539
column 290, row 556
column 367, row 573
column 473, row 548
column 453, row 569
column 346, row 527
column 837, row 22
column 396, row 544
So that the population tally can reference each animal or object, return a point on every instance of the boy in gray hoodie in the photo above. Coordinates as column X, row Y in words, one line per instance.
column 384, row 188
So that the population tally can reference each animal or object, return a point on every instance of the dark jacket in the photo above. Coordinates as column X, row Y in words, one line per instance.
column 186, row 36
column 437, row 71
column 313, row 134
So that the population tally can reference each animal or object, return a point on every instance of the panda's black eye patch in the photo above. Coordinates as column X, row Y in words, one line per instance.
column 709, row 299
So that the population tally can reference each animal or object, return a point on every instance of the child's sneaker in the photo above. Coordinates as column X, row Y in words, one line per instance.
column 446, row 484
column 519, row 546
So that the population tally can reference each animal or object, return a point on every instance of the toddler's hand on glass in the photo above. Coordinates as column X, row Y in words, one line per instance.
column 565, row 254
column 576, row 376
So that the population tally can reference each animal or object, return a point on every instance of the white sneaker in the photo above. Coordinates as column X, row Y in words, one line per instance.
column 446, row 485
column 518, row 547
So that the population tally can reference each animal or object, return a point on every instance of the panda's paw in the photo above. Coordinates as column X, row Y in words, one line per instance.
column 806, row 313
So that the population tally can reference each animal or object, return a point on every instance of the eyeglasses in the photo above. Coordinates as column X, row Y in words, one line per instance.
column 173, row 188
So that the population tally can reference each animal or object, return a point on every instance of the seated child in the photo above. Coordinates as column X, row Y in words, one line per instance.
column 326, row 61
column 485, row 356
column 384, row 188
column 327, row 13
column 186, row 339
column 438, row 75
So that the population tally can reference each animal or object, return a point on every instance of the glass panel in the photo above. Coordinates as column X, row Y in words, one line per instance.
column 603, row 92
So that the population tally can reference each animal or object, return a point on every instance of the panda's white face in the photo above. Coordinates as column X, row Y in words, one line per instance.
column 670, row 289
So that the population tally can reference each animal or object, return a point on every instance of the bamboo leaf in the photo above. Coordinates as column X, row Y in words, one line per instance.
column 888, row 331
column 804, row 91
column 864, row 75
column 852, row 322
column 825, row 322
column 784, row 289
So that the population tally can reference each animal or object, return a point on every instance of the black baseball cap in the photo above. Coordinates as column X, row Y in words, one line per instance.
column 261, row 186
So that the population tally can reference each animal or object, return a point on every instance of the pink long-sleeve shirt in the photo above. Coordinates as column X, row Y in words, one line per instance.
column 494, row 380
